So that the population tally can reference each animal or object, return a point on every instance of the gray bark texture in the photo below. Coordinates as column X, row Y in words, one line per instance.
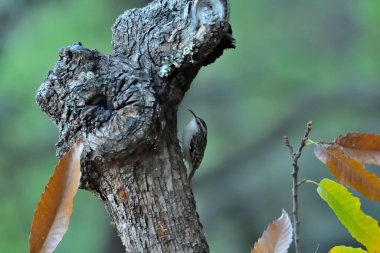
column 124, row 106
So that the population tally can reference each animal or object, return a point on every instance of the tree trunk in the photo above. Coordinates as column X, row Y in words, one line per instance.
column 124, row 106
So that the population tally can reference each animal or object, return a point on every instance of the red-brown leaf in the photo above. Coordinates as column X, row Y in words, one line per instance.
column 362, row 147
column 349, row 171
column 52, row 216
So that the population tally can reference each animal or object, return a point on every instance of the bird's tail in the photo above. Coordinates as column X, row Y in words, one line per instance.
column 191, row 174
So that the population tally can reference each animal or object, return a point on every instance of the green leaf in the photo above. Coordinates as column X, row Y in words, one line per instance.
column 347, row 208
column 343, row 249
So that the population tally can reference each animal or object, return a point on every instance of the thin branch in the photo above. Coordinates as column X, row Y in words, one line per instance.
column 296, row 184
column 316, row 250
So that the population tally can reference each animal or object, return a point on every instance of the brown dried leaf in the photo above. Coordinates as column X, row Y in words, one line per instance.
column 362, row 147
column 52, row 216
column 277, row 237
column 349, row 171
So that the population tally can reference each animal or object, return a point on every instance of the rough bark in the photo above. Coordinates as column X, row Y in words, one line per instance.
column 124, row 105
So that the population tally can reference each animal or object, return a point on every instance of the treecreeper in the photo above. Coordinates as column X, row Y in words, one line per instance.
column 124, row 106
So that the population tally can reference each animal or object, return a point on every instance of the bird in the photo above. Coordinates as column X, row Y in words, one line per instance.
column 194, row 141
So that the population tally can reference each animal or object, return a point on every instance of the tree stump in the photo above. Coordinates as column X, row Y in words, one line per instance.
column 124, row 106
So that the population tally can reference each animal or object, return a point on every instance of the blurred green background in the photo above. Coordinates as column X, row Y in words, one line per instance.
column 295, row 61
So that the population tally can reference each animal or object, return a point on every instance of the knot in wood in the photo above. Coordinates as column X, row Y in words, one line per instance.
column 101, row 98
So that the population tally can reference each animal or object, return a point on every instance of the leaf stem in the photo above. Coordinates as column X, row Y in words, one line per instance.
column 302, row 182
column 311, row 181
column 311, row 142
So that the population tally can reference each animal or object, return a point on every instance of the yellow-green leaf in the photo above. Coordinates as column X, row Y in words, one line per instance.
column 347, row 208
column 343, row 249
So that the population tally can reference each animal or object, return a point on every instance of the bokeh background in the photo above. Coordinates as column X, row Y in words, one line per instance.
column 295, row 61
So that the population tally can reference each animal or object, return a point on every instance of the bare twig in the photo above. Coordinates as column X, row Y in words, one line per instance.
column 316, row 250
column 295, row 156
